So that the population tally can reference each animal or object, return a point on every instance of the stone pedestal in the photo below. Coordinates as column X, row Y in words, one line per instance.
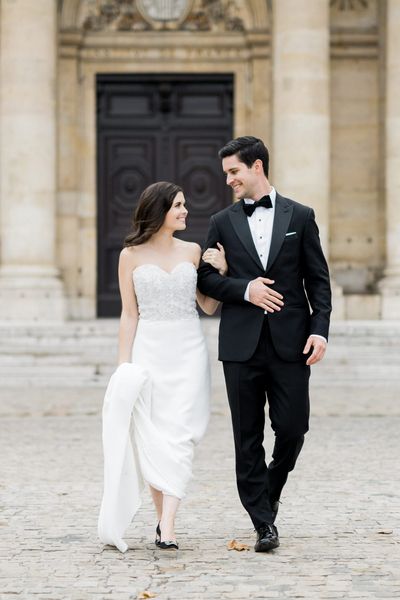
column 390, row 294
column 30, row 287
column 301, row 115
column 390, row 284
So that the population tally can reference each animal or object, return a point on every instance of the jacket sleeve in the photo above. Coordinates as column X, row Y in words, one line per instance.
column 223, row 288
column 316, row 278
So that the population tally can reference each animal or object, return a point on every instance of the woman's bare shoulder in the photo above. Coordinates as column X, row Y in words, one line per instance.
column 129, row 255
column 192, row 250
column 189, row 246
column 128, row 251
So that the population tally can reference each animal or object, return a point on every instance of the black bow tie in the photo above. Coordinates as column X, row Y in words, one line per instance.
column 250, row 208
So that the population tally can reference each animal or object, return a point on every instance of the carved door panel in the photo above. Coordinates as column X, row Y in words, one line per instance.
column 152, row 128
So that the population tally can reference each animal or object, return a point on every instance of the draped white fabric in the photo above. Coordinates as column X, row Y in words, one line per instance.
column 128, row 388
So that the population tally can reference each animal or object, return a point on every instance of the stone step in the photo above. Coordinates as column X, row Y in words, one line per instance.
column 334, row 356
column 363, row 333
column 91, row 378
column 84, row 353
column 15, row 373
column 68, row 338
column 110, row 326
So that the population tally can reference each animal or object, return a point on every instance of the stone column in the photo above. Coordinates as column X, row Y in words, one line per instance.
column 30, row 287
column 390, row 284
column 301, row 112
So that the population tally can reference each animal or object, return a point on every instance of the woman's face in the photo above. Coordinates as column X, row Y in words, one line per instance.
column 175, row 218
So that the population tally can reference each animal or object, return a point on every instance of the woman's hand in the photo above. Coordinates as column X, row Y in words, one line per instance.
column 216, row 258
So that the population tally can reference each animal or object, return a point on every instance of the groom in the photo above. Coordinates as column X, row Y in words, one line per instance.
column 274, row 324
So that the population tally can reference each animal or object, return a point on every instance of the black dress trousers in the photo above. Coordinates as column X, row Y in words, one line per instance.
column 265, row 376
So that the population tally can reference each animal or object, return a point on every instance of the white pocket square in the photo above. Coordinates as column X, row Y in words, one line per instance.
column 291, row 233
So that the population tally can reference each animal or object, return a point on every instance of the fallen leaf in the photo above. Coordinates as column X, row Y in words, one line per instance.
column 146, row 594
column 385, row 531
column 234, row 545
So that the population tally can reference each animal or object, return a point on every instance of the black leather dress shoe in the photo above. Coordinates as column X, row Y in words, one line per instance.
column 267, row 538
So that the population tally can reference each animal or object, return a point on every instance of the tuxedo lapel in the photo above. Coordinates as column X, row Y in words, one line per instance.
column 241, row 226
column 283, row 214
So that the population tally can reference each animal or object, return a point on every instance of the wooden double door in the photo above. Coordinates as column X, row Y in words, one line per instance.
column 152, row 128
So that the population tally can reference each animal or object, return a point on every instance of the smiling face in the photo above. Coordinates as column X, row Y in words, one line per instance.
column 175, row 218
column 242, row 179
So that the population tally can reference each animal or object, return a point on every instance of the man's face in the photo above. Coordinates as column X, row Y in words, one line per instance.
column 240, row 177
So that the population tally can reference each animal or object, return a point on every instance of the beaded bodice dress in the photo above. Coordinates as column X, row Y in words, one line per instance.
column 166, row 296
column 156, row 407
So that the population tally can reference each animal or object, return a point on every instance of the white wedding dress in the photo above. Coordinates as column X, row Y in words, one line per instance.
column 164, row 392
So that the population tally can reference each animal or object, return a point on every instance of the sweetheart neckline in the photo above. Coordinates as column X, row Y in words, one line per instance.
column 183, row 262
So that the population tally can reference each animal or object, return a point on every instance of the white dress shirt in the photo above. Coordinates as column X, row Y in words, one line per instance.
column 260, row 224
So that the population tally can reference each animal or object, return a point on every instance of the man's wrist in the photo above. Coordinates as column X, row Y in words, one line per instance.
column 321, row 337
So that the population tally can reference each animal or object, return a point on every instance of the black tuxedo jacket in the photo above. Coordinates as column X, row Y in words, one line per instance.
column 296, row 263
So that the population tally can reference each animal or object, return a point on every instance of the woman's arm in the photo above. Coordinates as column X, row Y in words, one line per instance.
column 129, row 314
column 209, row 281
column 216, row 258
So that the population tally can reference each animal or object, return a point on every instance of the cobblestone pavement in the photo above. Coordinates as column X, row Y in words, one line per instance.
column 339, row 522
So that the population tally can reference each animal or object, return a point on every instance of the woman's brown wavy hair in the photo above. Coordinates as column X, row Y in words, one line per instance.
column 154, row 203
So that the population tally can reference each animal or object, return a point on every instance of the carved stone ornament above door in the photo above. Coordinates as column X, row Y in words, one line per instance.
column 172, row 12
column 139, row 15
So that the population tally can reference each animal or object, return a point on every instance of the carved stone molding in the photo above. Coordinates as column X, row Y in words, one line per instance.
column 112, row 15
column 210, row 15
column 141, row 15
column 354, row 44
column 164, row 54
column 358, row 16
column 349, row 4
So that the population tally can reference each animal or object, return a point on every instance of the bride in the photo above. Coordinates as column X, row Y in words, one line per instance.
column 160, row 332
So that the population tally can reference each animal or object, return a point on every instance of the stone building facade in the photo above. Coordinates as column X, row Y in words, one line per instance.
column 318, row 80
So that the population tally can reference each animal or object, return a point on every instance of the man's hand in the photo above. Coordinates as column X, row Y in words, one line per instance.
column 318, row 345
column 263, row 296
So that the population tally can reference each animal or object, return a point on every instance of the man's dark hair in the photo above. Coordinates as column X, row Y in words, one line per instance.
column 248, row 150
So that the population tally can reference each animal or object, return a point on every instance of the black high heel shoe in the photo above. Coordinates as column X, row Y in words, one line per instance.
column 168, row 544
column 157, row 541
